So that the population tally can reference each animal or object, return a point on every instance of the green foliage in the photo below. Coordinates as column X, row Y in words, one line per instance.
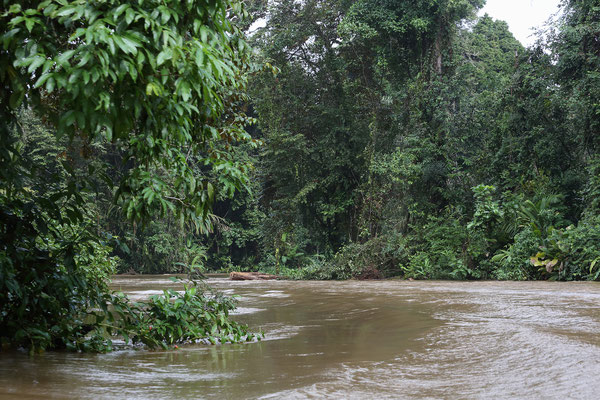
column 367, row 260
column 540, row 216
column 574, row 41
column 53, row 266
column 421, row 103
column 571, row 253
column 129, row 104
column 487, row 211
column 451, row 250
column 173, row 318
column 591, row 192
column 545, row 248
column 154, row 80
column 162, row 247
column 165, row 321
column 402, row 38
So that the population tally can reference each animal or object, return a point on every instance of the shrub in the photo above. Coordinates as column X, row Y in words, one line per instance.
column 576, row 250
column 195, row 315
column 513, row 262
column 372, row 259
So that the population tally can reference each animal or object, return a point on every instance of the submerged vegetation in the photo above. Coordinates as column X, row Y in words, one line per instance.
column 196, row 315
column 408, row 139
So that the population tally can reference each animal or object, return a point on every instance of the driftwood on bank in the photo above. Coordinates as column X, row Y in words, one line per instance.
column 251, row 276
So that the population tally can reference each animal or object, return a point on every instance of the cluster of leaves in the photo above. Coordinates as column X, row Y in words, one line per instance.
column 112, row 112
column 55, row 269
column 187, row 317
column 195, row 315
column 156, row 80
column 161, row 247
column 53, row 266
column 546, row 246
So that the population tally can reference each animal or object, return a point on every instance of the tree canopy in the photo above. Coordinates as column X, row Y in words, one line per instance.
column 425, row 142
column 149, row 88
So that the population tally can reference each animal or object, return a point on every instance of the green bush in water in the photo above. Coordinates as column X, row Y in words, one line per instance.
column 196, row 315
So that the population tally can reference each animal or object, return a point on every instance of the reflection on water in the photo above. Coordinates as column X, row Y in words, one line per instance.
column 387, row 339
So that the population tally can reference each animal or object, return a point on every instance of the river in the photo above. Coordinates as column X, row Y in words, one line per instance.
column 351, row 340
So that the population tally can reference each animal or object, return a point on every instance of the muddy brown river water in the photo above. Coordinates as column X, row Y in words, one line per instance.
column 352, row 340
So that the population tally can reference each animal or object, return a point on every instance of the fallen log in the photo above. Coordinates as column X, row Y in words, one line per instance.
column 251, row 276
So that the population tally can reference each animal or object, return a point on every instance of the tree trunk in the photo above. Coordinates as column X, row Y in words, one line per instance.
column 251, row 276
column 437, row 48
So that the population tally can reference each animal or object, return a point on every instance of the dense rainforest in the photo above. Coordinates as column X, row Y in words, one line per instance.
column 407, row 139
column 414, row 139
column 317, row 139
